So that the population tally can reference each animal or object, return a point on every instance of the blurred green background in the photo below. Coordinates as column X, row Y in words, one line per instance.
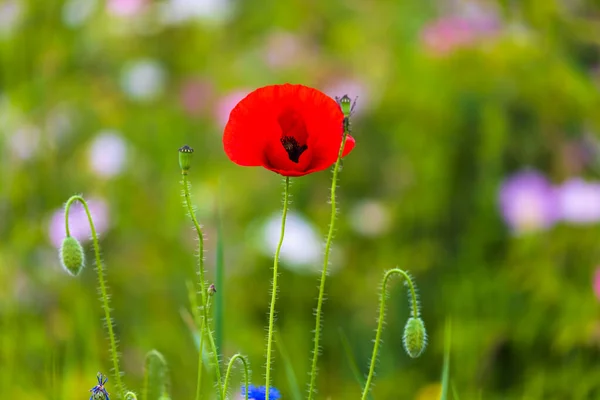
column 474, row 169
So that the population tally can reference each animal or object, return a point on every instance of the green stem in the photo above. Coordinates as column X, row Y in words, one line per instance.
column 382, row 300
column 199, row 321
column 230, row 367
column 206, row 325
column 103, row 288
column 274, row 288
column 313, row 371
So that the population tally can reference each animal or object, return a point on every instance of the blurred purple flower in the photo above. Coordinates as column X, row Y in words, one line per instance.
column 449, row 33
column 108, row 154
column 78, row 222
column 226, row 103
column 195, row 96
column 579, row 201
column 125, row 8
column 528, row 202
column 596, row 283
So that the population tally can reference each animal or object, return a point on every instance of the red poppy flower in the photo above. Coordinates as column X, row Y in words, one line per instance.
column 293, row 130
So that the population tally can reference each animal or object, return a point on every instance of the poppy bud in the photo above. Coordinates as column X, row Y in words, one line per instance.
column 415, row 337
column 71, row 255
column 185, row 157
column 212, row 289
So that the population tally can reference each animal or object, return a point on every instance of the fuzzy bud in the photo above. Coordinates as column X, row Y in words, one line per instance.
column 212, row 289
column 415, row 337
column 71, row 255
column 185, row 157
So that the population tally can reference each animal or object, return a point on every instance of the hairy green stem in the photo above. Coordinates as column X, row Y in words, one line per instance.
column 380, row 320
column 230, row 367
column 204, row 295
column 103, row 288
column 313, row 371
column 274, row 288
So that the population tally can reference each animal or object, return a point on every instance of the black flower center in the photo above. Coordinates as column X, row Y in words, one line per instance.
column 293, row 148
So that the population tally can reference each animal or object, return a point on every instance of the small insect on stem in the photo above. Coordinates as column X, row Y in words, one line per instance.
column 347, row 107
column 99, row 391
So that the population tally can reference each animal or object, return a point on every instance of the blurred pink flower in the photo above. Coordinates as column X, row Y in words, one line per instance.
column 226, row 103
column 108, row 154
column 579, row 201
column 596, row 283
column 528, row 202
column 125, row 8
column 78, row 222
column 353, row 88
column 195, row 96
column 449, row 33
column 283, row 49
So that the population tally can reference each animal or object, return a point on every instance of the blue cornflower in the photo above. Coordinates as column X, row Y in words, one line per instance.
column 260, row 393
column 98, row 391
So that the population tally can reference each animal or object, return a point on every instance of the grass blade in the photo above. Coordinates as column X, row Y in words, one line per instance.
column 289, row 369
column 352, row 361
column 446, row 368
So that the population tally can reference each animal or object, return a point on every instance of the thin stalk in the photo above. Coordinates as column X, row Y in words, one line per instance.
column 274, row 288
column 313, row 371
column 204, row 295
column 380, row 320
column 103, row 288
column 230, row 367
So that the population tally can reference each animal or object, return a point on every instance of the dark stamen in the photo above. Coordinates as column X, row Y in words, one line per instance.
column 294, row 150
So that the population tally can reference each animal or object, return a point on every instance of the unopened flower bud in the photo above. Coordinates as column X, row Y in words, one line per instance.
column 212, row 289
column 415, row 337
column 185, row 157
column 71, row 255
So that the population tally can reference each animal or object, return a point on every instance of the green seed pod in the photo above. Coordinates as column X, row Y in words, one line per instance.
column 71, row 255
column 185, row 157
column 345, row 104
column 415, row 337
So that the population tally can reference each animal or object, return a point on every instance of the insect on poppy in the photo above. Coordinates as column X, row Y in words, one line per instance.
column 99, row 391
column 292, row 130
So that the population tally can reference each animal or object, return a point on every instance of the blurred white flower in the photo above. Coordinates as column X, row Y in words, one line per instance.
column 24, row 142
column 76, row 12
column 177, row 11
column 143, row 80
column 11, row 12
column 370, row 218
column 301, row 244
column 108, row 154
